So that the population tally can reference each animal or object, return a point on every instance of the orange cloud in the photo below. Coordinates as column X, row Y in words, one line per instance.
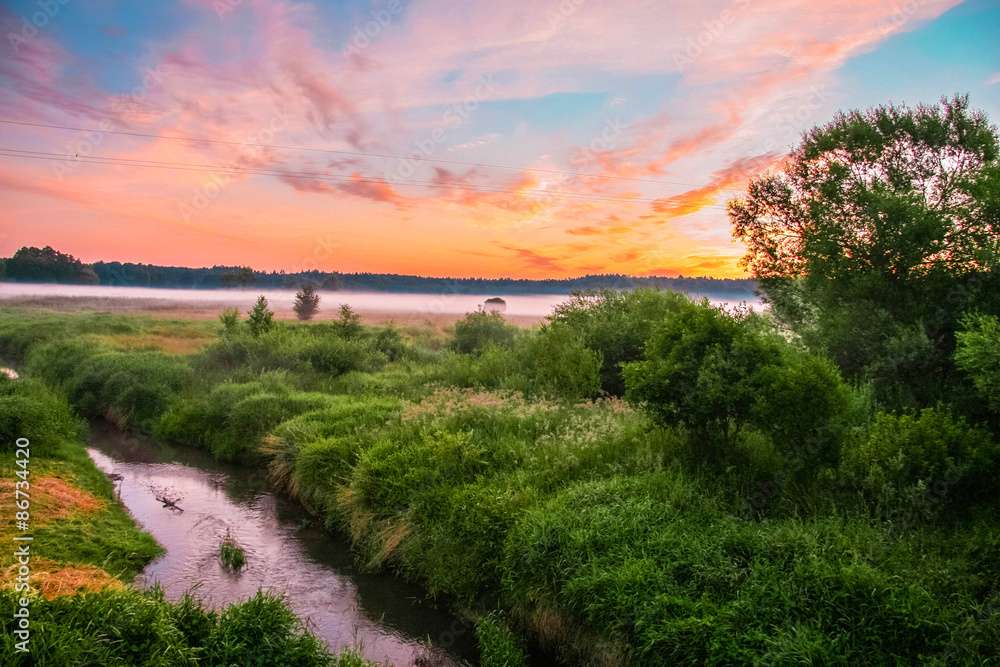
column 736, row 173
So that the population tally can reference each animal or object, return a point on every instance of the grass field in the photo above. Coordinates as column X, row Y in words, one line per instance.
column 502, row 470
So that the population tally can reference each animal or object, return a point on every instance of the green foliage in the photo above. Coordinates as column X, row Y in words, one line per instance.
column 479, row 330
column 978, row 355
column 672, row 578
column 306, row 302
column 498, row 647
column 29, row 409
column 617, row 325
column 141, row 629
column 47, row 265
column 336, row 355
column 874, row 257
column 232, row 418
column 297, row 350
column 260, row 318
column 556, row 362
column 924, row 464
column 719, row 374
column 230, row 319
column 348, row 322
column 130, row 389
column 231, row 554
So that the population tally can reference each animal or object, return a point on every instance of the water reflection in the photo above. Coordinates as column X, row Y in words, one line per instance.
column 385, row 618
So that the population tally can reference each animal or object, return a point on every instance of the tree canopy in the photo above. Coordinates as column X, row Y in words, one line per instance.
column 877, row 235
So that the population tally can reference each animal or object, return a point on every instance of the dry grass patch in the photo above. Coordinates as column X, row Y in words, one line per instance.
column 52, row 498
column 52, row 579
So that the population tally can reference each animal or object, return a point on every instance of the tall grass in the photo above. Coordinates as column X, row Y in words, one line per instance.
column 503, row 474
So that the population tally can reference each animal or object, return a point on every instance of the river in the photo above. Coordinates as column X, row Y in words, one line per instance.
column 386, row 619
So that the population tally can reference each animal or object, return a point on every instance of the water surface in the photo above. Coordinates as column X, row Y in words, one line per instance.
column 386, row 619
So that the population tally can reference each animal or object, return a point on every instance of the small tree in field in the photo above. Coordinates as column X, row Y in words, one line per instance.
column 348, row 324
column 260, row 319
column 306, row 302
column 230, row 319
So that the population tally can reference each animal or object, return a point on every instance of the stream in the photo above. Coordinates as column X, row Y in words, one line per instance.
column 384, row 618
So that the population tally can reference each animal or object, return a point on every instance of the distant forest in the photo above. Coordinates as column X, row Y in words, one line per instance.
column 51, row 266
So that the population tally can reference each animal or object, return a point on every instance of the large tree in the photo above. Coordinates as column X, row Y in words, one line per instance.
column 875, row 237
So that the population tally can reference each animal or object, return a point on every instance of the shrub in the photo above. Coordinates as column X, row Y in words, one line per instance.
column 348, row 322
column 260, row 319
column 617, row 324
column 923, row 463
column 978, row 355
column 233, row 417
column 306, row 303
column 717, row 374
column 29, row 409
column 476, row 331
column 336, row 355
column 389, row 342
column 498, row 647
column 230, row 320
column 131, row 389
column 555, row 362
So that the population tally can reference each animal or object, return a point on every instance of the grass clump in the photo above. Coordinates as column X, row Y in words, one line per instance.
column 142, row 629
column 232, row 556
column 498, row 646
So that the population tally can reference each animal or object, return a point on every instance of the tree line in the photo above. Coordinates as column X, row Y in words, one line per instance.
column 30, row 264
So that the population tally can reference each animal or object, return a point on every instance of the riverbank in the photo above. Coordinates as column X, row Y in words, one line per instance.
column 83, row 552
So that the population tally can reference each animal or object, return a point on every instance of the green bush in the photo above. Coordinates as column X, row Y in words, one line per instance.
column 336, row 355
column 498, row 647
column 617, row 324
column 476, row 331
column 131, row 389
column 923, row 463
column 978, row 355
column 232, row 419
column 29, row 409
column 555, row 362
column 655, row 573
column 142, row 629
column 718, row 374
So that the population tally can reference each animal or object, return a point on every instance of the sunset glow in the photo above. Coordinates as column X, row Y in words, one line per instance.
column 534, row 139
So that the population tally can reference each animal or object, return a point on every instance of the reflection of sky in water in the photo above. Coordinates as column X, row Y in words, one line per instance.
column 523, row 304
column 380, row 615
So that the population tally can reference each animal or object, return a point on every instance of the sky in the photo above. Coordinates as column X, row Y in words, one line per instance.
column 541, row 138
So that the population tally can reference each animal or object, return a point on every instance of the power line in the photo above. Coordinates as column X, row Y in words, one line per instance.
column 223, row 169
column 390, row 156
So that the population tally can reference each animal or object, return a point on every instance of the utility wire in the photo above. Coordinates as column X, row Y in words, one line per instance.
column 390, row 156
column 223, row 169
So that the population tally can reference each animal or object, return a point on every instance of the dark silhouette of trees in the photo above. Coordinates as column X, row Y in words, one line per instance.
column 46, row 264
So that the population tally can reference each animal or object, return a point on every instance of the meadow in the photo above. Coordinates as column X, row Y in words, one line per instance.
column 640, row 480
